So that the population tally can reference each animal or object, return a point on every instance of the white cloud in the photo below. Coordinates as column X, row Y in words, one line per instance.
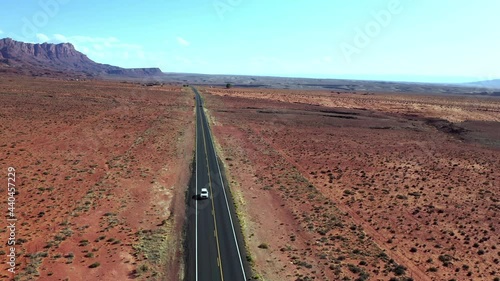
column 42, row 37
column 183, row 41
column 60, row 38
column 1, row 31
column 91, row 44
column 108, row 41
column 106, row 49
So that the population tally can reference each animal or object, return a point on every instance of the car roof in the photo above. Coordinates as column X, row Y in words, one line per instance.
column 204, row 189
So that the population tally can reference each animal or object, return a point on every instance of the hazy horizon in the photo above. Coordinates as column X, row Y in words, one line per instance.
column 389, row 40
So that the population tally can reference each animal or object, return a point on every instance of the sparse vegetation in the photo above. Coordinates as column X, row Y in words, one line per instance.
column 74, row 194
column 403, row 197
column 263, row 246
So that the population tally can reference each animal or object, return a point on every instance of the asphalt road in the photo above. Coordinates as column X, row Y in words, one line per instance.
column 213, row 240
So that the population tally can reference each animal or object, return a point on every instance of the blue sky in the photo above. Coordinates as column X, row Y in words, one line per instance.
column 410, row 40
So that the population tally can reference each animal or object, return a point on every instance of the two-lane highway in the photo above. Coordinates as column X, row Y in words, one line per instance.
column 214, row 247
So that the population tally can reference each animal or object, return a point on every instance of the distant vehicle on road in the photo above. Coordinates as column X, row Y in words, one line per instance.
column 204, row 193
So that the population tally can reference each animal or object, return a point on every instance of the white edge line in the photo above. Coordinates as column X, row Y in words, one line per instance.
column 227, row 204
column 196, row 201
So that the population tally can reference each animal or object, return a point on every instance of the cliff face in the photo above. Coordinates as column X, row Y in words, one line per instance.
column 63, row 57
column 15, row 49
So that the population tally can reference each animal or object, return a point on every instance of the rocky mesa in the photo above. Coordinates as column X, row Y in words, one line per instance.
column 47, row 58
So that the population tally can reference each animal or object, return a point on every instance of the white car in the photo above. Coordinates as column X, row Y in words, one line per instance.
column 204, row 193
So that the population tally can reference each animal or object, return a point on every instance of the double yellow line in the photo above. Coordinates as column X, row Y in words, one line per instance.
column 212, row 195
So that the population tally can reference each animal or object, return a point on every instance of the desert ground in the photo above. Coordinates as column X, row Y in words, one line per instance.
column 101, row 173
column 358, row 186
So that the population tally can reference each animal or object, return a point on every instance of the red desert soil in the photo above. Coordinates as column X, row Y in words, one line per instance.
column 101, row 172
column 357, row 186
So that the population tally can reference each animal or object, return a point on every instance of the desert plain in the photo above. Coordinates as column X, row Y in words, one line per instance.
column 101, row 173
column 327, row 185
column 363, row 186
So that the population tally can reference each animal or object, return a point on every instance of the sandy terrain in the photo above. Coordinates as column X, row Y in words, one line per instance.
column 363, row 186
column 451, row 108
column 102, row 168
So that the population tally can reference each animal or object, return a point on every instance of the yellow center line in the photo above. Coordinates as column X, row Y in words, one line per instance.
column 212, row 197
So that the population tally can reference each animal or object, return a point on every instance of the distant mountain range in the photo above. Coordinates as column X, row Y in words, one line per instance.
column 62, row 60
column 491, row 84
column 53, row 59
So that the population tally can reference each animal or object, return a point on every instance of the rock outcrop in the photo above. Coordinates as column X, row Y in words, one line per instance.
column 60, row 58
